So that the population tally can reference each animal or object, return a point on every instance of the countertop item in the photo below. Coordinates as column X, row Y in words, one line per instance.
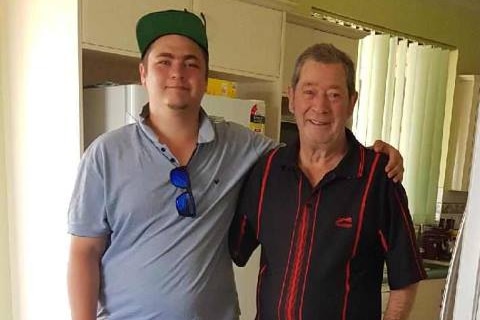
column 436, row 269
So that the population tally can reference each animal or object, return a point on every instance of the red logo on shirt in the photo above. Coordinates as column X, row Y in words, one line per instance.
column 344, row 222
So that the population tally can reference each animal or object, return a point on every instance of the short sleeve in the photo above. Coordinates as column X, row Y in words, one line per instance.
column 87, row 210
column 404, row 264
column 263, row 144
column 243, row 230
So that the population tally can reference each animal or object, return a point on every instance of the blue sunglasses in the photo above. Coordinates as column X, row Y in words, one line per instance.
column 184, row 202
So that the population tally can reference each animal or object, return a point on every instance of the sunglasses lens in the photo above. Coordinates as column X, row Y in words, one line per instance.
column 184, row 202
column 179, row 178
column 186, row 205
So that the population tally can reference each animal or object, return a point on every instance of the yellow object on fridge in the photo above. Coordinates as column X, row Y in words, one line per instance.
column 218, row 87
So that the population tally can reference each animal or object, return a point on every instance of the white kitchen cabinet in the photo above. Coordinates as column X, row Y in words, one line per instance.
column 298, row 37
column 466, row 101
column 347, row 45
column 109, row 25
column 244, row 39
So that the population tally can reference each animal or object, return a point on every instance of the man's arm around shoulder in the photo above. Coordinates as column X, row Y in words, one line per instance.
column 84, row 276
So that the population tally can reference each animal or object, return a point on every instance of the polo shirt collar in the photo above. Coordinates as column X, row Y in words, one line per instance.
column 350, row 166
column 206, row 132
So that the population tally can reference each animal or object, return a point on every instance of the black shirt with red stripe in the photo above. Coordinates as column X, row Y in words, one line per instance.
column 324, row 247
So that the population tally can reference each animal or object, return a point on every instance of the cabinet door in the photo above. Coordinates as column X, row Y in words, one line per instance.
column 347, row 45
column 109, row 25
column 298, row 38
column 244, row 38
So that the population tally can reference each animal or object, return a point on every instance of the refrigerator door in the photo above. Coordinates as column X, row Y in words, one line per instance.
column 249, row 113
column 136, row 98
column 108, row 108
column 103, row 110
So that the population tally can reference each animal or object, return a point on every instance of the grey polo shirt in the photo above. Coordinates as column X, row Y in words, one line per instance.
column 159, row 265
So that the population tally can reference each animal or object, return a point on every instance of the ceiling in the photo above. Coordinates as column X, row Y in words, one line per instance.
column 473, row 5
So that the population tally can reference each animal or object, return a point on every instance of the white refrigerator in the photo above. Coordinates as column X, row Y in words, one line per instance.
column 110, row 107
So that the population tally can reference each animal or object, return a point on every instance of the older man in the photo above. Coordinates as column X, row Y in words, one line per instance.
column 324, row 212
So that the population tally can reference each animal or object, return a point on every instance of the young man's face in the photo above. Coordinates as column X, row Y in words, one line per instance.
column 321, row 103
column 174, row 73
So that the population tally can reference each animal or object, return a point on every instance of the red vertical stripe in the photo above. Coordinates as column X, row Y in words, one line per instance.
column 259, row 286
column 262, row 190
column 357, row 235
column 412, row 241
column 312, row 237
column 241, row 235
column 383, row 240
column 347, row 290
column 299, row 200
column 297, row 267
column 361, row 165
column 363, row 204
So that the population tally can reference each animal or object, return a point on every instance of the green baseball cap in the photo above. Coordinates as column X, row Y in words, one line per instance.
column 156, row 24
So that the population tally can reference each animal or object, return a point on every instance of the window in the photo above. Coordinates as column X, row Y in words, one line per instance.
column 402, row 88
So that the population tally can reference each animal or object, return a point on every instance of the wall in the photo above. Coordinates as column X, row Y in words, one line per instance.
column 5, row 300
column 443, row 21
column 40, row 55
column 467, row 300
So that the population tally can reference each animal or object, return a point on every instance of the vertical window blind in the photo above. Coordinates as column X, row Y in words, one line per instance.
column 402, row 100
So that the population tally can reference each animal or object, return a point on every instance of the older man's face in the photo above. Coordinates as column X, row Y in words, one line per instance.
column 321, row 103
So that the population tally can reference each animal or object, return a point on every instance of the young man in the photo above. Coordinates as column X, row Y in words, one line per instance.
column 153, row 201
column 326, row 215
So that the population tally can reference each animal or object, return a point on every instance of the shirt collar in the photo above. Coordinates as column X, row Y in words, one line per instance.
column 351, row 166
column 206, row 132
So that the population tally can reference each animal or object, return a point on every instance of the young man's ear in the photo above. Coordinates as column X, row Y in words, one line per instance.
column 142, row 71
